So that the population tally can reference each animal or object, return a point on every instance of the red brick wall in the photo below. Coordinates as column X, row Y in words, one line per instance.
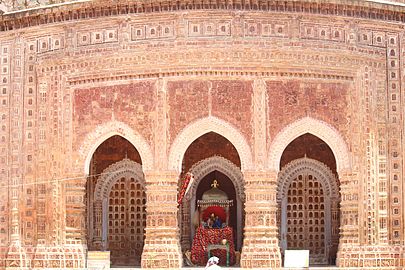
column 192, row 100
column 232, row 102
column 187, row 102
column 133, row 104
column 292, row 100
column 209, row 145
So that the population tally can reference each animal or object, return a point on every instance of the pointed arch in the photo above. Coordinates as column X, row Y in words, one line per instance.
column 201, row 127
column 95, row 138
column 321, row 129
column 330, row 201
column 217, row 163
column 233, row 172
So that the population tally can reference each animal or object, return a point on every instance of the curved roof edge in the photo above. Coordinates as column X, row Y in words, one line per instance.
column 90, row 9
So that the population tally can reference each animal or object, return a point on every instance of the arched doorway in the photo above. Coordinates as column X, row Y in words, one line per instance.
column 116, row 215
column 212, row 156
column 308, row 198
column 219, row 168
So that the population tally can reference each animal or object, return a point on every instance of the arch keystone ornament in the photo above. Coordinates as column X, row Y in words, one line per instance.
column 321, row 129
column 202, row 126
column 95, row 138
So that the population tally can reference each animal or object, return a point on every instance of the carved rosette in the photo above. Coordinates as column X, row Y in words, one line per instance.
column 162, row 245
column 261, row 248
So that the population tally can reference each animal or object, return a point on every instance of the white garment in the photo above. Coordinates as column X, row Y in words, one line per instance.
column 212, row 263
column 213, row 267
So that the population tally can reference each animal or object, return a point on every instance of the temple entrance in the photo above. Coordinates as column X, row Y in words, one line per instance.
column 116, row 199
column 308, row 216
column 211, row 157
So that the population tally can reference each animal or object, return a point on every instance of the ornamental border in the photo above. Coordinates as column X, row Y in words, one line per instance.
column 394, row 12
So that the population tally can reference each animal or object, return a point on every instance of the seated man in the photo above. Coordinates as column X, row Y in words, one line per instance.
column 217, row 223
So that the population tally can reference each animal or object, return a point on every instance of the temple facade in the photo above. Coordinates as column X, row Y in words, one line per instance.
column 295, row 108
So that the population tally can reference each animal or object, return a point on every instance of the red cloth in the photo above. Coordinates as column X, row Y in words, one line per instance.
column 184, row 187
column 204, row 237
column 217, row 210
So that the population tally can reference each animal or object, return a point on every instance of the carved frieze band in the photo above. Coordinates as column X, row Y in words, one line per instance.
column 99, row 9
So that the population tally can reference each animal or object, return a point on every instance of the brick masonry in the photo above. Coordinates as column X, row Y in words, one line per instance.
column 86, row 84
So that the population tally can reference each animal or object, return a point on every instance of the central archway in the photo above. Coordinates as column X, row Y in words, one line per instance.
column 202, row 126
column 230, row 170
column 210, row 157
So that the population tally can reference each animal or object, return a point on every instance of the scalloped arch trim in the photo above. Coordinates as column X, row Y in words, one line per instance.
column 208, row 165
column 201, row 127
column 316, row 168
column 123, row 168
column 316, row 127
column 95, row 138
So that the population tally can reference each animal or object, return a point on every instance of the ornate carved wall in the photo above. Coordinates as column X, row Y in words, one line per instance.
column 161, row 74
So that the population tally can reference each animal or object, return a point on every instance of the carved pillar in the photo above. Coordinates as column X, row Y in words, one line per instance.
column 186, row 228
column 16, row 254
column 349, row 226
column 162, row 245
column 98, row 224
column 75, row 246
column 260, row 246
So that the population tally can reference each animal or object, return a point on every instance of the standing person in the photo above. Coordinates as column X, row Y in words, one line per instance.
column 212, row 263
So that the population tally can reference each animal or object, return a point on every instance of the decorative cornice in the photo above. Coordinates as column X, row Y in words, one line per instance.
column 100, row 9
column 211, row 73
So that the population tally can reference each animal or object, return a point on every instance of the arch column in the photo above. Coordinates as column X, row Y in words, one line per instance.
column 98, row 223
column 260, row 246
column 162, row 235
column 349, row 227
column 75, row 210
column 75, row 246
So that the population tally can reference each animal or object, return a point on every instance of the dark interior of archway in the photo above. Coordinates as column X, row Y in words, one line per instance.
column 208, row 145
column 311, row 146
column 111, row 151
column 226, row 185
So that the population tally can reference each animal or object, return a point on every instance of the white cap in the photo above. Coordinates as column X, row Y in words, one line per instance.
column 213, row 260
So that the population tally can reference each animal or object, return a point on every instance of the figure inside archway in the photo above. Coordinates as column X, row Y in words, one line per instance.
column 214, row 236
